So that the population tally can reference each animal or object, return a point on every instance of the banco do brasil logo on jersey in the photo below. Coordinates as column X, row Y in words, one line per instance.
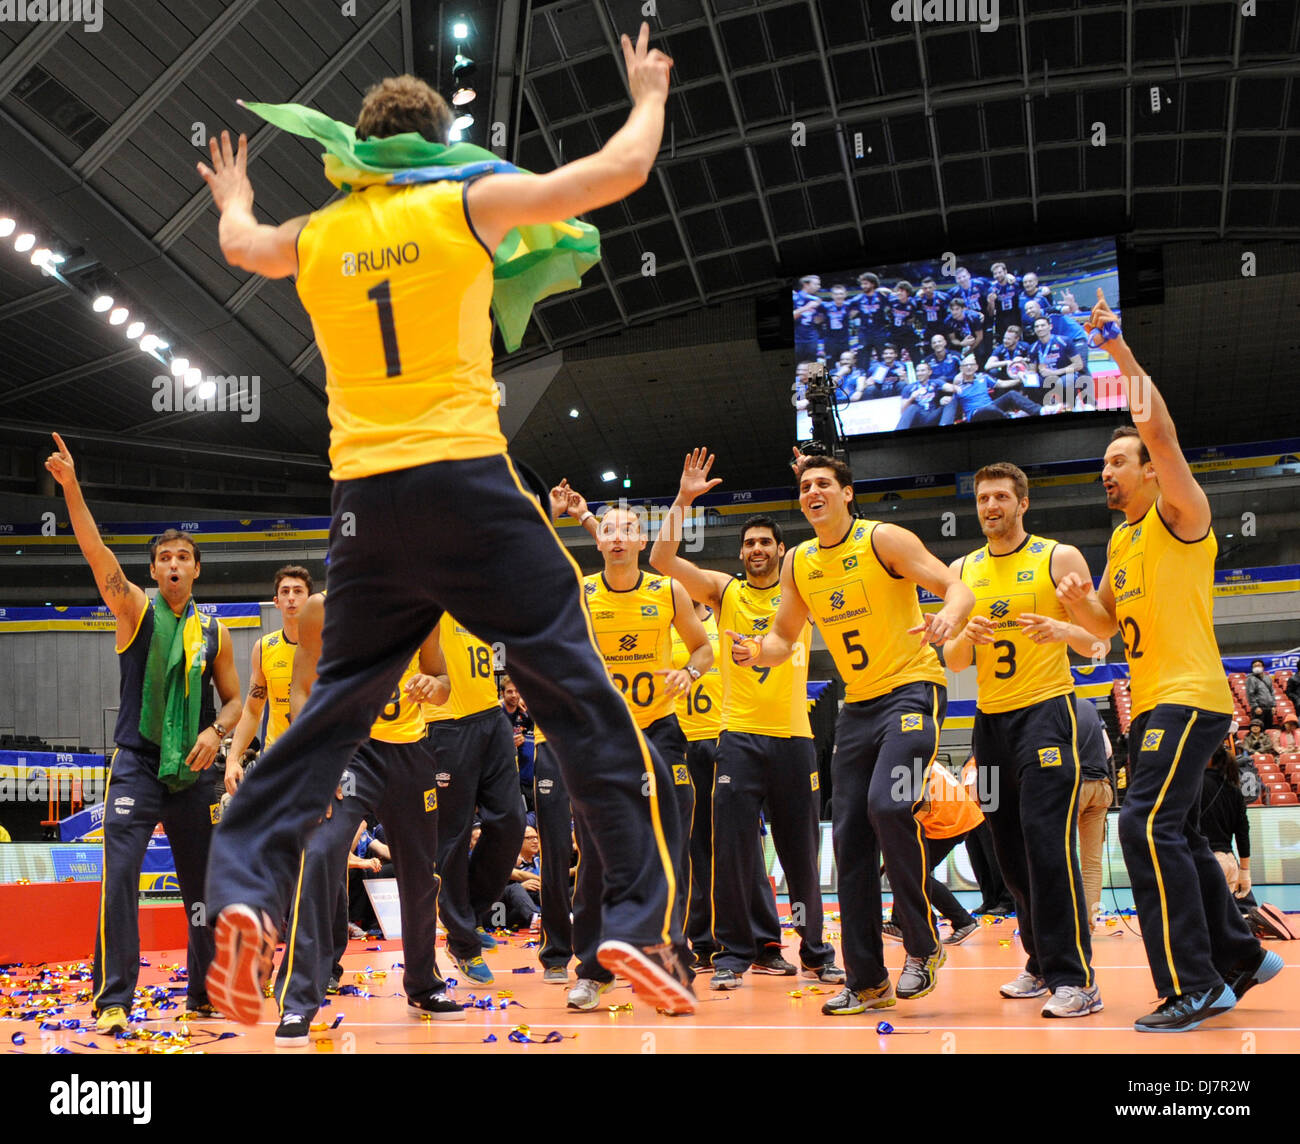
column 627, row 643
column 590, row 589
column 1036, row 547
column 999, row 609
column 760, row 625
column 1120, row 577
column 837, row 600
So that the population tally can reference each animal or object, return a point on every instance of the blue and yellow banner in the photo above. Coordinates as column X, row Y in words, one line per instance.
column 100, row 619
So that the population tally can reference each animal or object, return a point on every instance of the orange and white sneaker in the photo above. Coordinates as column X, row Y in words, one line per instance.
column 245, row 945
column 655, row 971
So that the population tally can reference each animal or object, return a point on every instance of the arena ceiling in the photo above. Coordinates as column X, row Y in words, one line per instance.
column 967, row 139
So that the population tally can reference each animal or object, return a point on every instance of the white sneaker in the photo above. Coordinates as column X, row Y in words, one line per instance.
column 1073, row 1001
column 1026, row 985
column 585, row 995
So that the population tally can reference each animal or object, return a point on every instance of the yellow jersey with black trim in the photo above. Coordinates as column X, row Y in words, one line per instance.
column 762, row 700
column 277, row 668
column 631, row 629
column 470, row 670
column 401, row 719
column 398, row 287
column 863, row 612
column 699, row 711
column 1013, row 671
column 1163, row 590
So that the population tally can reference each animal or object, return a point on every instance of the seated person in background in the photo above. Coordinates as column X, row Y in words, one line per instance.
column 522, row 895
column 926, row 401
column 886, row 376
column 1259, row 692
column 374, row 860
column 943, row 365
column 1031, row 291
column 964, row 327
column 979, row 401
column 1293, row 689
column 1063, row 327
column 1256, row 741
column 1288, row 739
column 848, row 379
column 1223, row 818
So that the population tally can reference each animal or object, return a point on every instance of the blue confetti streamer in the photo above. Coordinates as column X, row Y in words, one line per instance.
column 18, row 1039
column 490, row 1039
column 884, row 1027
column 525, row 969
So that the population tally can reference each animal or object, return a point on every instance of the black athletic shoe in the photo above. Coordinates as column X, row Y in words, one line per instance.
column 1246, row 975
column 770, row 961
column 436, row 1007
column 1187, row 1011
column 292, row 1032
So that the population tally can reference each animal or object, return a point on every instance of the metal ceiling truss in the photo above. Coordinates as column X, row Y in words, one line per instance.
column 29, row 52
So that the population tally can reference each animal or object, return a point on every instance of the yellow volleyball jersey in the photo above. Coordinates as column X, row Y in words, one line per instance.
column 401, row 719
column 1013, row 671
column 631, row 630
column 699, row 711
column 762, row 700
column 276, row 651
column 398, row 287
column 469, row 670
column 1163, row 590
column 863, row 612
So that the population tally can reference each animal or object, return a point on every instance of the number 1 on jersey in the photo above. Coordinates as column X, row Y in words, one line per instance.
column 382, row 296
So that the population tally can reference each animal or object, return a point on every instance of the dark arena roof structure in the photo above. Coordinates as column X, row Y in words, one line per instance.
column 800, row 133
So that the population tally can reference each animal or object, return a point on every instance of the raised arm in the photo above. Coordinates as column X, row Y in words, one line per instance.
column 271, row 251
column 248, row 721
column 904, row 555
column 1182, row 504
column 500, row 202
column 778, row 644
column 704, row 585
column 311, row 620
column 125, row 600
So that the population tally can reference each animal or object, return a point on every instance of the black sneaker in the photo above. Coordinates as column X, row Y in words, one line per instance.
column 436, row 1007
column 1246, row 975
column 771, row 962
column 333, row 987
column 292, row 1032
column 1187, row 1011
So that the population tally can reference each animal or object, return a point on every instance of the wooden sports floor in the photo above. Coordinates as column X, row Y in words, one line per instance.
column 964, row 1014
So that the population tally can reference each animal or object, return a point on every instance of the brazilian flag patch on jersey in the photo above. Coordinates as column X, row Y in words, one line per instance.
column 681, row 776
column 431, row 800
column 1151, row 740
column 815, row 781
column 1049, row 756
column 649, row 609
column 849, row 562
column 1023, row 576
column 912, row 722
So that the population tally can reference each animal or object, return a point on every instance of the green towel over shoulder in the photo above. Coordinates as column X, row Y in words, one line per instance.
column 172, row 696
column 532, row 262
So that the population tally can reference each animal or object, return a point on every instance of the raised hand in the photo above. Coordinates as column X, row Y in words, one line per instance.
column 577, row 504
column 227, row 178
column 1073, row 589
column 1102, row 323
column 647, row 68
column 60, row 464
column 559, row 499
column 695, row 475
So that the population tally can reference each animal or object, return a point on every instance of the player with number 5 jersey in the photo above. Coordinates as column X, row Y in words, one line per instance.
column 765, row 749
column 1026, row 737
column 857, row 580
column 1156, row 592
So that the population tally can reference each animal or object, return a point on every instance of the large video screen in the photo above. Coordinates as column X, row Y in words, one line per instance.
column 983, row 337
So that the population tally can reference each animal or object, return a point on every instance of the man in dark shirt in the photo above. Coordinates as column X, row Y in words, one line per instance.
column 522, row 726
column 807, row 318
column 972, row 291
column 1006, row 364
column 927, row 401
column 900, row 314
column 1031, row 291
column 868, row 310
column 977, row 400
column 964, row 327
column 1001, row 299
column 943, row 365
column 932, row 308
column 1058, row 367
column 835, row 334
column 886, row 376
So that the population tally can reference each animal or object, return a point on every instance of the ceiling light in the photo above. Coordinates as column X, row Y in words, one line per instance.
column 462, row 121
column 150, row 342
column 462, row 96
column 207, row 389
column 7, row 226
column 24, row 242
column 102, row 303
column 179, row 366
column 454, row 135
column 460, row 30
column 42, row 256
column 134, row 330
column 118, row 316
column 608, row 475
column 574, row 413
column 193, row 376
column 627, row 482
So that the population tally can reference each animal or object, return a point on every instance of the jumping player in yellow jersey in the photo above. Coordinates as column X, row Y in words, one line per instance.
column 1156, row 592
column 633, row 616
column 272, row 669
column 857, row 581
column 429, row 515
column 390, row 780
column 1027, row 737
column 478, row 778
column 764, row 751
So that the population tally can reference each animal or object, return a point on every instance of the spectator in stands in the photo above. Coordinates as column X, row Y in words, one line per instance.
column 1259, row 692
column 1256, row 741
column 522, row 723
column 1223, row 818
column 1288, row 739
column 1293, row 689
column 522, row 895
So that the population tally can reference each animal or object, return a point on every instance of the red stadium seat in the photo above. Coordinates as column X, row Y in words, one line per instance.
column 1263, row 760
column 1283, row 798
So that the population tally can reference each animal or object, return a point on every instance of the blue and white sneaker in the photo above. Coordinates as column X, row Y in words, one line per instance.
column 1187, row 1011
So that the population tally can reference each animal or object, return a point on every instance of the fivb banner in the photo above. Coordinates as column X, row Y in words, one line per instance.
column 100, row 619
column 50, row 529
